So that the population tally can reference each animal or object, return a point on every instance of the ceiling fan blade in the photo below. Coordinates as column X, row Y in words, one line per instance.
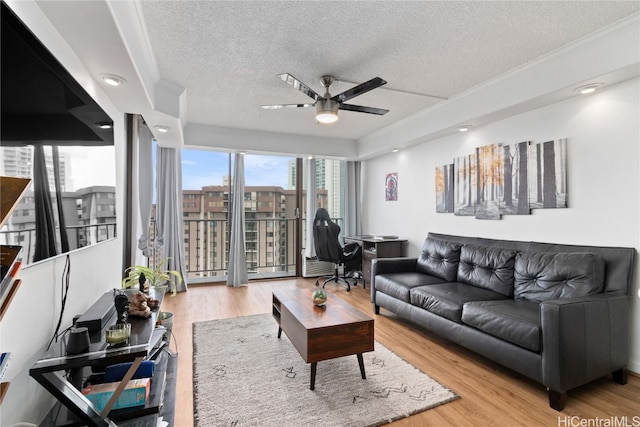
column 359, row 90
column 297, row 84
column 278, row 106
column 361, row 109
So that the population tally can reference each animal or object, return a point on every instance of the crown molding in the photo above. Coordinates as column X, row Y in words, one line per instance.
column 129, row 20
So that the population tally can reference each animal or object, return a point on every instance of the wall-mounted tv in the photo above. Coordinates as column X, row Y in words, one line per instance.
column 54, row 133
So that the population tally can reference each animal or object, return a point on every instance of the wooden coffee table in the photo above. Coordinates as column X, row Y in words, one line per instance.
column 320, row 333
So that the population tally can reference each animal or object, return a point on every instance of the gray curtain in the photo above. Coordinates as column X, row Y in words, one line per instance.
column 62, row 224
column 310, row 249
column 237, row 267
column 170, row 235
column 45, row 222
column 353, row 198
column 145, row 183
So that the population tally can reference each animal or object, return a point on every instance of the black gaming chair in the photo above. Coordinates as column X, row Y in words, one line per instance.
column 328, row 248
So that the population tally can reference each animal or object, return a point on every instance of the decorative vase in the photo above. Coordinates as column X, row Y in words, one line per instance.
column 161, row 289
column 319, row 297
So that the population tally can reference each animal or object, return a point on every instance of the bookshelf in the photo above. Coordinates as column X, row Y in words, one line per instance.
column 3, row 390
column 10, row 294
column 11, row 191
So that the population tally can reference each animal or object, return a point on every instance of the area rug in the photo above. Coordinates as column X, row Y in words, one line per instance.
column 243, row 375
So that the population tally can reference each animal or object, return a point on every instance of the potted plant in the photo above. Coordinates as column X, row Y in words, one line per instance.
column 157, row 276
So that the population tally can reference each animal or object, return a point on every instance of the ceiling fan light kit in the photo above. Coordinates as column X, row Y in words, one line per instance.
column 327, row 106
column 326, row 111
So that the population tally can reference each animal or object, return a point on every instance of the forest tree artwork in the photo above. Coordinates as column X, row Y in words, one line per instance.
column 444, row 188
column 498, row 179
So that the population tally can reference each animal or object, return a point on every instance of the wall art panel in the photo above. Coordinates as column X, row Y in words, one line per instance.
column 504, row 179
column 391, row 187
column 548, row 174
column 464, row 185
column 444, row 188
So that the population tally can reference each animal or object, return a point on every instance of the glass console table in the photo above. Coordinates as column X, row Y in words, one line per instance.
column 62, row 374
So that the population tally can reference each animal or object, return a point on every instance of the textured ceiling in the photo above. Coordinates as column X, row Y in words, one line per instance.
column 227, row 54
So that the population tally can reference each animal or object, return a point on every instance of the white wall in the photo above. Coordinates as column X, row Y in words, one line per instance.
column 603, row 153
column 30, row 321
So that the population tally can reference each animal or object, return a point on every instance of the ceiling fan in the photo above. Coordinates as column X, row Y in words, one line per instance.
column 327, row 106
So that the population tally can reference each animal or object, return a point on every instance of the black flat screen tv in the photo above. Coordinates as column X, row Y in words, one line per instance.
column 55, row 133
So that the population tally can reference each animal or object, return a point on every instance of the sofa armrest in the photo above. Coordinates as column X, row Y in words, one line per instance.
column 583, row 339
column 390, row 265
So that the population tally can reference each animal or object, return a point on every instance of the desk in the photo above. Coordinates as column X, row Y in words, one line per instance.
column 49, row 371
column 373, row 248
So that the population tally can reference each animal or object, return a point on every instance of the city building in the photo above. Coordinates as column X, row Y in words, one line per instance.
column 330, row 176
column 269, row 230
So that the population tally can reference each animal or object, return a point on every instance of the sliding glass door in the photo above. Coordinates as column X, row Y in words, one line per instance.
column 205, row 208
column 275, row 213
column 270, row 216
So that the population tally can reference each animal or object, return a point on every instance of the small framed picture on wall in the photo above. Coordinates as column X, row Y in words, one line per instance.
column 391, row 187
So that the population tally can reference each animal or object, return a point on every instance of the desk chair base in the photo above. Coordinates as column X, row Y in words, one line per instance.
column 335, row 278
column 356, row 276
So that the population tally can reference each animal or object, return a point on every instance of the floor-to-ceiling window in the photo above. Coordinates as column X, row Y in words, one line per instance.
column 270, row 216
column 329, row 183
column 275, row 202
column 205, row 206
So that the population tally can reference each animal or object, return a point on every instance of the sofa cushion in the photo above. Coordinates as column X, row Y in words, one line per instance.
column 516, row 321
column 543, row 276
column 489, row 268
column 447, row 299
column 398, row 285
column 439, row 258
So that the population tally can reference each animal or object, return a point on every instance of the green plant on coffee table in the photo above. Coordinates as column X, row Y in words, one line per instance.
column 319, row 297
column 154, row 276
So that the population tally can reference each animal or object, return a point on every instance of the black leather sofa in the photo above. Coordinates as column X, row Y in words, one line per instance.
column 558, row 314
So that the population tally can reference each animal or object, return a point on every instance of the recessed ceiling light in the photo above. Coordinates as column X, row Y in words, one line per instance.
column 104, row 125
column 309, row 157
column 113, row 80
column 590, row 88
column 395, row 150
column 163, row 129
column 464, row 128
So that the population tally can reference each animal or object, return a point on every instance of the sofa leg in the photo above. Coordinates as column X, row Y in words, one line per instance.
column 557, row 399
column 376, row 309
column 620, row 376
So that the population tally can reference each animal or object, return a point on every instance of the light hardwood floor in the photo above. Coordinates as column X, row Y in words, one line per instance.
column 490, row 394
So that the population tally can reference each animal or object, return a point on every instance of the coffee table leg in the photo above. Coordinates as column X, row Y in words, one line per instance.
column 314, row 365
column 279, row 331
column 361, row 364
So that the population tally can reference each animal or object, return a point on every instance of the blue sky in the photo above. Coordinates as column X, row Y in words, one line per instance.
column 201, row 168
column 87, row 166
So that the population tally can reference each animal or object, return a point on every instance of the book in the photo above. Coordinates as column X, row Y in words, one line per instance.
column 116, row 372
column 10, row 265
column 385, row 237
column 135, row 393
column 13, row 273
column 4, row 364
column 6, row 299
column 5, row 289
